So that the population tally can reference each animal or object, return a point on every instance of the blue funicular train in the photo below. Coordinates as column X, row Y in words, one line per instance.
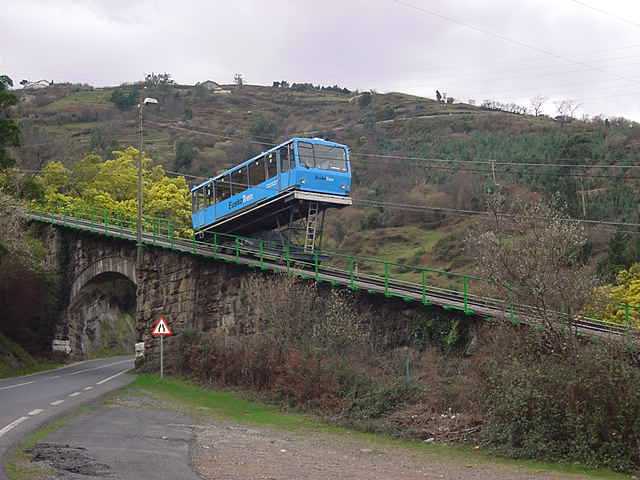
column 296, row 179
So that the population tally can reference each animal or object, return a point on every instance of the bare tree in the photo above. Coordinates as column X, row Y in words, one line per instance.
column 537, row 103
column 238, row 80
column 566, row 110
column 532, row 255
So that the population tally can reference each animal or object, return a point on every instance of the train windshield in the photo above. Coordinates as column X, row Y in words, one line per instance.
column 326, row 157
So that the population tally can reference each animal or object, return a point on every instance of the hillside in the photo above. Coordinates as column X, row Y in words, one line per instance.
column 197, row 132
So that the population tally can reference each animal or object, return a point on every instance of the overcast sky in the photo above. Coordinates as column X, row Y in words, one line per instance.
column 507, row 50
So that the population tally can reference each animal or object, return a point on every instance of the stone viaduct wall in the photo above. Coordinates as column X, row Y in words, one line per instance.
column 187, row 290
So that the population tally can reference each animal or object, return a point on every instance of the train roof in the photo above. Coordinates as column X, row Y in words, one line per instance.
column 319, row 141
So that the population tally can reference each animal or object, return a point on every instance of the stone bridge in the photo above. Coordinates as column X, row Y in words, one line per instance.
column 189, row 291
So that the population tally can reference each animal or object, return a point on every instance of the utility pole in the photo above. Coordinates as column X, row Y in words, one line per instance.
column 584, row 201
column 139, row 187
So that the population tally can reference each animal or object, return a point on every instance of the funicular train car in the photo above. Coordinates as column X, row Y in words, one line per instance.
column 296, row 180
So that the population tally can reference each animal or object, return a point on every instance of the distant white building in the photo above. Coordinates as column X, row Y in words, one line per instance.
column 213, row 87
column 38, row 84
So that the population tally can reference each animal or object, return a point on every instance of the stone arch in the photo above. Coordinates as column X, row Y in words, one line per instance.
column 114, row 264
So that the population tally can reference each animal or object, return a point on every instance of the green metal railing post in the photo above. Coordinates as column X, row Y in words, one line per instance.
column 215, row 244
column 386, row 279
column 261, row 253
column 424, row 287
column 316, row 265
column 352, row 283
column 465, row 283
column 287, row 256
column 627, row 320
column 237, row 249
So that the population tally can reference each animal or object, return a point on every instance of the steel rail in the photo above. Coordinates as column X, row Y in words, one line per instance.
column 253, row 257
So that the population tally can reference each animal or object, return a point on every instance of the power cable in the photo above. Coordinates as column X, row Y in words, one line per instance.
column 457, row 211
column 604, row 12
column 509, row 39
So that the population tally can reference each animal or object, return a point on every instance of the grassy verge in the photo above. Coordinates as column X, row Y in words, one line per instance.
column 231, row 406
column 16, row 361
column 38, row 367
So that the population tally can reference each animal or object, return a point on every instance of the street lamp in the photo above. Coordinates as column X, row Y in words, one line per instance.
column 146, row 101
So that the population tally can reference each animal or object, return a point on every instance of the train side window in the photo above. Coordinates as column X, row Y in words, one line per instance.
column 256, row 171
column 239, row 180
column 272, row 168
column 194, row 201
column 209, row 199
column 200, row 199
column 292, row 157
column 222, row 188
column 284, row 159
column 305, row 151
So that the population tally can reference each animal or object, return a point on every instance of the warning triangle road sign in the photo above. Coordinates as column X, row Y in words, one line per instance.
column 161, row 328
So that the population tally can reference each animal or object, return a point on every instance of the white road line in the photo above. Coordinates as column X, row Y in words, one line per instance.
column 57, row 402
column 96, row 368
column 112, row 377
column 57, row 376
column 12, row 425
column 17, row 385
column 74, row 394
column 35, row 412
column 88, row 388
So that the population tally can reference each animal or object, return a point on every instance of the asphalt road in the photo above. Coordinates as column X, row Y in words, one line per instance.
column 29, row 402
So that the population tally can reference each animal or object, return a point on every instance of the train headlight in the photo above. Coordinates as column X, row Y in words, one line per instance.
column 303, row 180
column 343, row 186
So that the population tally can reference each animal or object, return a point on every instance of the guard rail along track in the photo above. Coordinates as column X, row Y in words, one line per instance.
column 355, row 273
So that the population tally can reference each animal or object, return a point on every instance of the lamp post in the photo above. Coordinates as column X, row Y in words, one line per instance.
column 141, row 156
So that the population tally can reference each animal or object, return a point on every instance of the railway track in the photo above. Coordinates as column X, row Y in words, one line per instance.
column 372, row 283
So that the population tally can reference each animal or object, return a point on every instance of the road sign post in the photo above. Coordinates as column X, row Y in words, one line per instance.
column 161, row 329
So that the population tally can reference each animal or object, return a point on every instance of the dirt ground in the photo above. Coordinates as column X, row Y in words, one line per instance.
column 225, row 451
column 105, row 442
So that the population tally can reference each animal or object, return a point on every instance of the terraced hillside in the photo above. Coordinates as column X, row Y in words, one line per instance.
column 411, row 156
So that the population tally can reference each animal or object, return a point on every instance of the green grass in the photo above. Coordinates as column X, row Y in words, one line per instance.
column 71, row 128
column 100, row 96
column 15, row 361
column 232, row 407
column 38, row 367
column 19, row 466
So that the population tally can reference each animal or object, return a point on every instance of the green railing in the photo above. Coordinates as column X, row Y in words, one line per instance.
column 408, row 282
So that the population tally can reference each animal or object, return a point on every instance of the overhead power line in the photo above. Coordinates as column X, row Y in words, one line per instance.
column 457, row 211
column 511, row 40
column 608, row 14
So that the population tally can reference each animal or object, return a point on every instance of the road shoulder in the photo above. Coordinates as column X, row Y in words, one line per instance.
column 144, row 432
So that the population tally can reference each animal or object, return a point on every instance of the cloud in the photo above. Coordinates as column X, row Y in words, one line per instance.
column 381, row 44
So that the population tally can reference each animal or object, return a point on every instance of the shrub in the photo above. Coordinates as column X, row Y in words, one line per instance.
column 580, row 406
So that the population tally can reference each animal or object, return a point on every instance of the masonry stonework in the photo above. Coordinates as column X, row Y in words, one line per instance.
column 189, row 291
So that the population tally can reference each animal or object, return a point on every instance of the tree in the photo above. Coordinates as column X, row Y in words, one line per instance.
column 9, row 129
column 238, row 80
column 438, row 96
column 617, row 258
column 111, row 184
column 263, row 128
column 365, row 99
column 155, row 80
column 185, row 154
column 537, row 103
column 566, row 110
column 123, row 99
column 530, row 253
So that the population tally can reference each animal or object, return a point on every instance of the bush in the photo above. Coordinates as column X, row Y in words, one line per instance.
column 582, row 406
